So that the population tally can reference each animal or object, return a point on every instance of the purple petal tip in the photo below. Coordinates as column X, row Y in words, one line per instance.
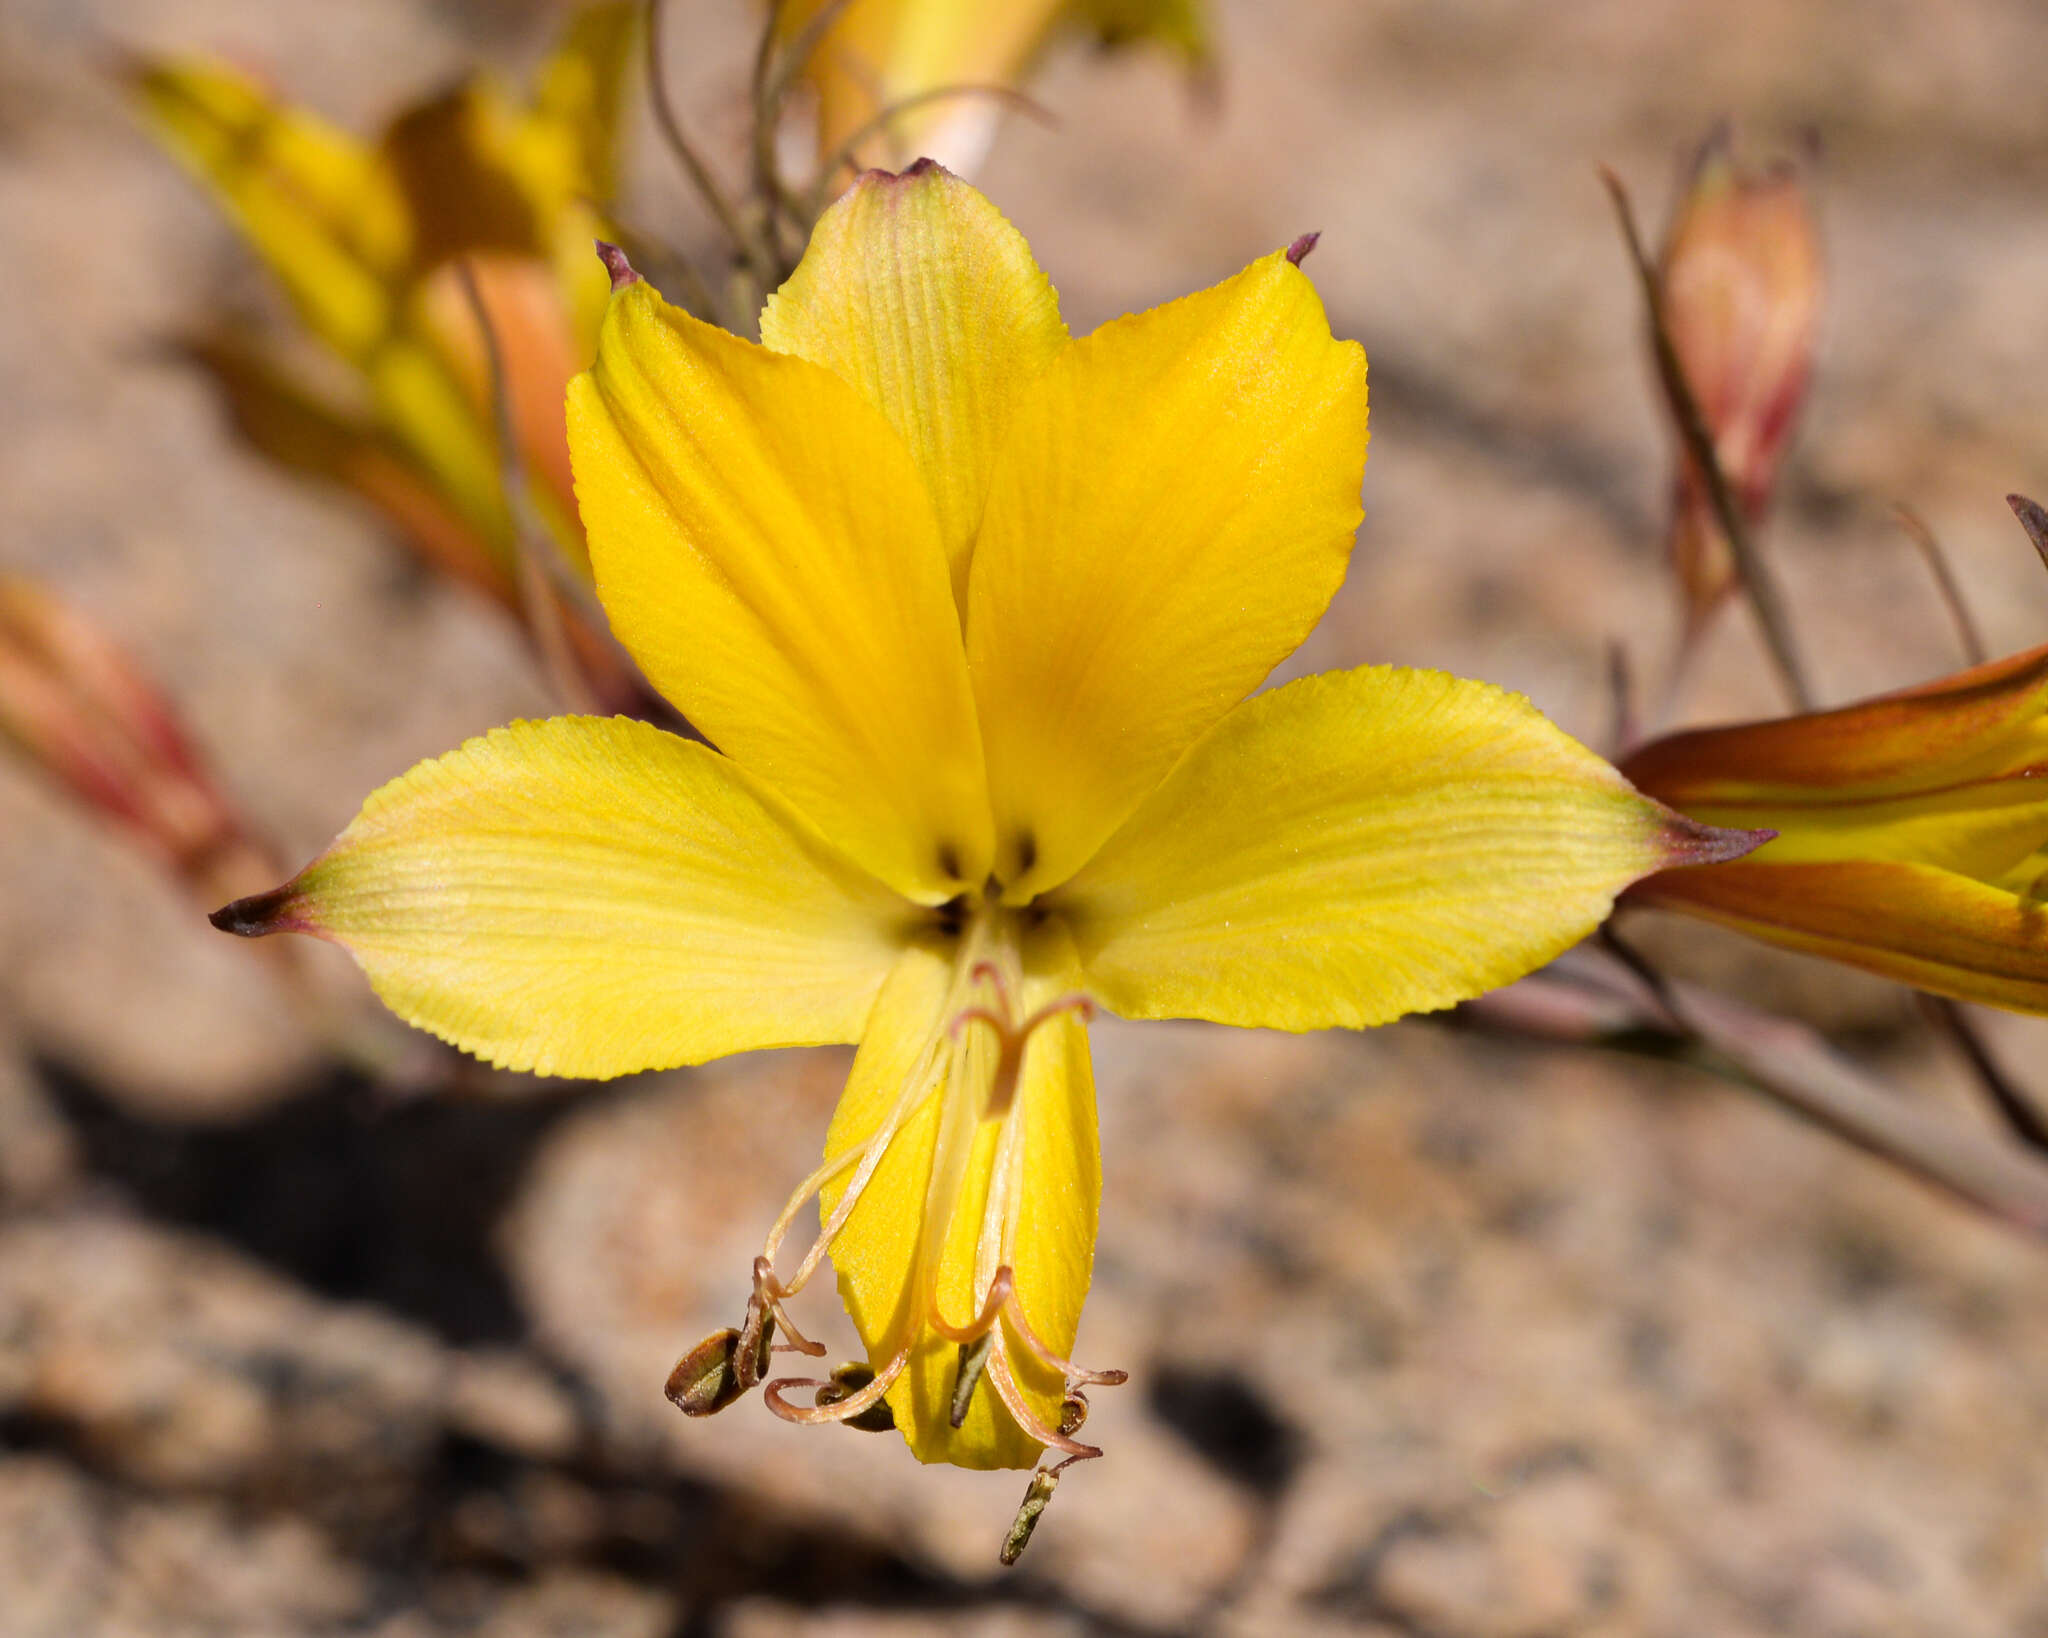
column 2033, row 519
column 261, row 913
column 1698, row 844
column 616, row 265
column 1297, row 251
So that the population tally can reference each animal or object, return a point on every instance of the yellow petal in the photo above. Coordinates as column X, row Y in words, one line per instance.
column 917, row 292
column 316, row 203
column 1045, row 1164
column 1364, row 844
column 1169, row 515
column 1981, row 830
column 1923, row 926
column 765, row 550
column 591, row 896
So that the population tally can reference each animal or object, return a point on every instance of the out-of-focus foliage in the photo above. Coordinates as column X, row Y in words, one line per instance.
column 371, row 241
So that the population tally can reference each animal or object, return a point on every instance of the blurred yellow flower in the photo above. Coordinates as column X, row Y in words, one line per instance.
column 880, row 55
column 1912, row 831
column 364, row 238
column 971, row 610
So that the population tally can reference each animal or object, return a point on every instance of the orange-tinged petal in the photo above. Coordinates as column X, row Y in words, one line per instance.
column 1984, row 723
column 1171, row 512
column 1923, row 926
column 1363, row 844
column 592, row 896
column 919, row 293
column 767, row 552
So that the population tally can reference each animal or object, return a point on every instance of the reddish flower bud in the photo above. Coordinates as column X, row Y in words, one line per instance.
column 1740, row 281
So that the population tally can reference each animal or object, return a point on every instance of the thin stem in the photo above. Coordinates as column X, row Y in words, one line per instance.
column 2006, row 1095
column 745, row 245
column 1967, row 631
column 773, row 76
column 531, row 545
column 1758, row 583
column 1794, row 1065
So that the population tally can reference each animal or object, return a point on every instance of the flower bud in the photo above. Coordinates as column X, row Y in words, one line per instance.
column 75, row 705
column 1740, row 287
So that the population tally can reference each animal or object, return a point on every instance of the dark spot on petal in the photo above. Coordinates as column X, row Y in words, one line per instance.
column 949, row 861
column 1027, row 852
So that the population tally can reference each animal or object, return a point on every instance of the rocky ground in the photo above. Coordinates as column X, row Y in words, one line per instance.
column 1431, row 1335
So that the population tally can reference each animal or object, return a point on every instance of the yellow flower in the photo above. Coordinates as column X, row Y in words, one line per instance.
column 363, row 237
column 882, row 55
column 971, row 611
column 1912, row 831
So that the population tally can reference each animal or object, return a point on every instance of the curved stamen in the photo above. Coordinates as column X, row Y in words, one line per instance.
column 998, row 1373
column 843, row 1410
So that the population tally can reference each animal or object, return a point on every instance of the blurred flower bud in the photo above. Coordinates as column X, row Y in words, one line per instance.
column 908, row 55
column 75, row 706
column 1740, row 281
column 1912, row 831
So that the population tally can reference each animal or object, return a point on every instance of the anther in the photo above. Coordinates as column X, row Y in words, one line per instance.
column 720, row 1369
column 848, row 1380
column 973, row 1358
column 828, row 1405
column 1037, row 1497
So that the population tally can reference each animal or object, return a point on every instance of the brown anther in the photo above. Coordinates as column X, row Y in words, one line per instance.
column 847, row 1380
column 1073, row 1413
column 973, row 1359
column 707, row 1378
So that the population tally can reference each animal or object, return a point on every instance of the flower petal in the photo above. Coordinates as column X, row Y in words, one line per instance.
column 765, row 549
column 920, row 295
column 1923, row 926
column 591, row 896
column 318, row 205
column 1169, row 516
column 1359, row 845
column 1977, row 724
column 1053, row 1175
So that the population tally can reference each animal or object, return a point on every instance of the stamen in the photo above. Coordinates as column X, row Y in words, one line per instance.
column 847, row 1380
column 1011, row 1036
column 855, row 1404
column 1013, row 1400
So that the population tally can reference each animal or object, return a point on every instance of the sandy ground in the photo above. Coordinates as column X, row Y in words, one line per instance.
column 1431, row 1335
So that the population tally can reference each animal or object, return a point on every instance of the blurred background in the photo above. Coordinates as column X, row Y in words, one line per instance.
column 1432, row 1334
